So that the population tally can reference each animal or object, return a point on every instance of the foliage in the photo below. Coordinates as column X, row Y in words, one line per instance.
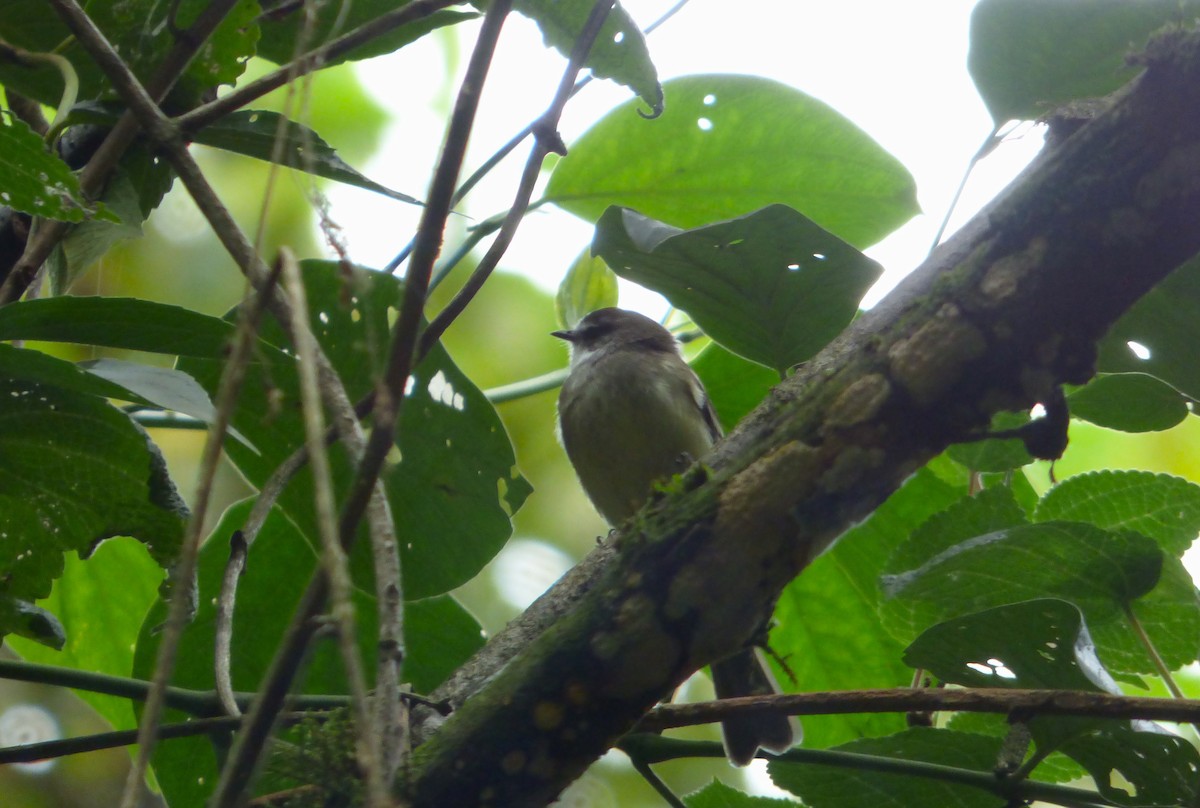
column 976, row 572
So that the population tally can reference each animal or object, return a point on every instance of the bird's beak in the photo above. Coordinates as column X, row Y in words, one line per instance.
column 569, row 336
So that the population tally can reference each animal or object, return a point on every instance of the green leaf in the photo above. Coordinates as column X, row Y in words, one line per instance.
column 34, row 180
column 1028, row 56
column 440, row 635
column 1162, row 327
column 842, row 787
column 456, row 504
column 1160, row 506
column 1040, row 643
column 852, row 651
column 1151, row 768
column 282, row 30
column 718, row 795
column 129, row 323
column 76, row 471
column 101, row 602
column 88, row 242
column 771, row 286
column 990, row 510
column 254, row 133
column 588, row 285
column 1130, row 402
column 737, row 144
column 142, row 32
column 1098, row 571
column 619, row 52
column 735, row 385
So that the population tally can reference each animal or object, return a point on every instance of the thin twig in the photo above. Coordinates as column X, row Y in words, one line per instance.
column 547, row 141
column 28, row 753
column 194, row 702
column 979, row 700
column 333, row 557
column 166, row 136
column 240, row 546
column 486, row 167
column 389, row 395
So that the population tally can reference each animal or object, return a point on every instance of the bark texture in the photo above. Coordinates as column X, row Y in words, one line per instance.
column 1007, row 310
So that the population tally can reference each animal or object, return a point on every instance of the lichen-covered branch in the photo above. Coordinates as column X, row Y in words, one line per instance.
column 1009, row 308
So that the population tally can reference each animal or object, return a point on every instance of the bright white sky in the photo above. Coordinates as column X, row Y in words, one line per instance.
column 898, row 70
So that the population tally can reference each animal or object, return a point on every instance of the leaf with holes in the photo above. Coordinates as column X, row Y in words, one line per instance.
column 737, row 144
column 1158, row 334
column 771, row 286
column 76, row 471
column 38, row 182
column 1035, row 644
column 455, row 481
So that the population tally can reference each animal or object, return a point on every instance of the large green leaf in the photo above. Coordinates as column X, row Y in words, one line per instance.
column 1027, row 56
column 1162, row 507
column 851, row 651
column 619, row 52
column 1150, row 768
column 76, row 471
column 1163, row 333
column 736, row 144
column 1130, row 402
column 842, row 787
column 771, row 286
column 456, row 483
column 101, row 603
column 735, row 385
column 256, row 133
column 440, row 636
column 136, row 325
column 1099, row 571
column 1040, row 643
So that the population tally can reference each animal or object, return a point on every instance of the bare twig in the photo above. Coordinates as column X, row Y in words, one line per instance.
column 1025, row 703
column 165, row 135
column 547, row 142
column 333, row 556
column 389, row 395
column 27, row 753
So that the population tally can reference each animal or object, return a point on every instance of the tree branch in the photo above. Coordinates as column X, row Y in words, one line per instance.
column 1025, row 703
column 993, row 321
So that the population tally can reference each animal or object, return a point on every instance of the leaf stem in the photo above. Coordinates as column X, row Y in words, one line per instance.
column 1159, row 665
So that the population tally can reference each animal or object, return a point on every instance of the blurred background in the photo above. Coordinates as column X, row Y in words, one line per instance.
column 897, row 70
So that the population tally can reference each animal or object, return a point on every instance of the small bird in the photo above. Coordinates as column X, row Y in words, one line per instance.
column 629, row 410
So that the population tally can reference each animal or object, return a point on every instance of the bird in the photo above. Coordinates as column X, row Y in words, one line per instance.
column 629, row 412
